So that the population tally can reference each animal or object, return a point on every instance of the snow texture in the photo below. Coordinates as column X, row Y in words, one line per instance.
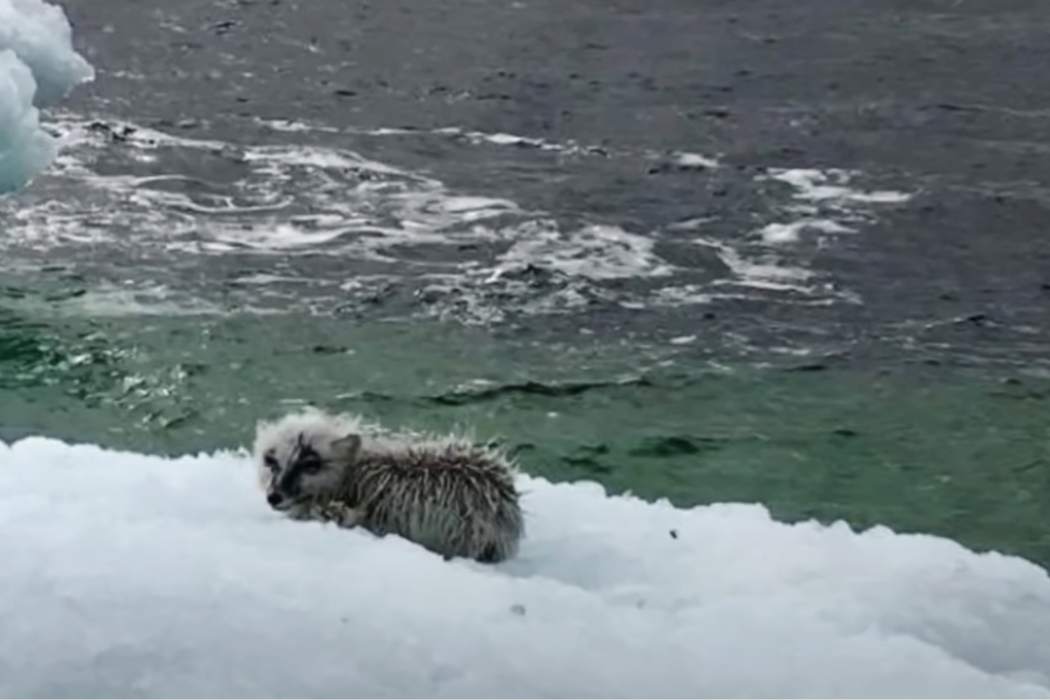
column 38, row 66
column 135, row 575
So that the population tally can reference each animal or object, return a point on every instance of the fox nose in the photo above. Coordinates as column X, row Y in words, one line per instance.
column 274, row 499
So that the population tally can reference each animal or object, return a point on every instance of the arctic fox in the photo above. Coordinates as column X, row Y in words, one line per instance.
column 441, row 492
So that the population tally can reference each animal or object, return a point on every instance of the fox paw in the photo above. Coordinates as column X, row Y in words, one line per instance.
column 336, row 512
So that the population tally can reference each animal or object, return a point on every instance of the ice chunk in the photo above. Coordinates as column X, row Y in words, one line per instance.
column 24, row 148
column 37, row 67
column 134, row 575
column 39, row 34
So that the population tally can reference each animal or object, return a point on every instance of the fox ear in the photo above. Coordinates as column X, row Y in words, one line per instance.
column 347, row 447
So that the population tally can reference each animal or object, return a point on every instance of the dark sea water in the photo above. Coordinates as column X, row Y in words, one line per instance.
column 703, row 251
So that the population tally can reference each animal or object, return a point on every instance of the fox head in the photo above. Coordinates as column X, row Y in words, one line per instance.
column 303, row 456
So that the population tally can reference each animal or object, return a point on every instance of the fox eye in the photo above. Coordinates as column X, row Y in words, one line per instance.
column 310, row 464
column 271, row 463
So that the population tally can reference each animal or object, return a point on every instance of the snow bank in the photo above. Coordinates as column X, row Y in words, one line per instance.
column 132, row 575
column 37, row 66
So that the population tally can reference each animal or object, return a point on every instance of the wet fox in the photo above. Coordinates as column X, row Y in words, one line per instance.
column 442, row 492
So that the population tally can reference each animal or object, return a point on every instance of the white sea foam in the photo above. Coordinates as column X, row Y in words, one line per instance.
column 597, row 252
column 37, row 66
column 111, row 189
column 133, row 575
column 825, row 202
column 694, row 160
column 294, row 199
column 791, row 232
column 762, row 272
column 504, row 139
column 834, row 185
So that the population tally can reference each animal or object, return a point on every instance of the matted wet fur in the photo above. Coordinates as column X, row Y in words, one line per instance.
column 441, row 492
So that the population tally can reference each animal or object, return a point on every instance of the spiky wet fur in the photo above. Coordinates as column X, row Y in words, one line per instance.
column 441, row 492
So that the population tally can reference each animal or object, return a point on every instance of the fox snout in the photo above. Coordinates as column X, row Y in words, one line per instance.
column 281, row 494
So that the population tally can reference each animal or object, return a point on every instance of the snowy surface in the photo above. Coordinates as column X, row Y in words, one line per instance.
column 37, row 66
column 134, row 575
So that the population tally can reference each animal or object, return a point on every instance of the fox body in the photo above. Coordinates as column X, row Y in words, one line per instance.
column 442, row 492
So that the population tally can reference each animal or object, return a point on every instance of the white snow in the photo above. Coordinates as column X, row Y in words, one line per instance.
column 134, row 575
column 37, row 66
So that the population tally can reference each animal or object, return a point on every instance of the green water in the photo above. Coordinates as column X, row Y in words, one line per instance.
column 935, row 450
